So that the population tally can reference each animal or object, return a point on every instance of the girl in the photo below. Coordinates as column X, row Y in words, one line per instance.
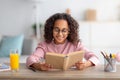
column 61, row 36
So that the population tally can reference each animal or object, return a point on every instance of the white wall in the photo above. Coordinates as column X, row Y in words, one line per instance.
column 17, row 16
column 101, row 36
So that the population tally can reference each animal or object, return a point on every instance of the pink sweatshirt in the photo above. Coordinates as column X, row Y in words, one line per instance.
column 65, row 48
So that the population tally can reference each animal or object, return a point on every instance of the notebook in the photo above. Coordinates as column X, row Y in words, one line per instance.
column 63, row 61
column 4, row 67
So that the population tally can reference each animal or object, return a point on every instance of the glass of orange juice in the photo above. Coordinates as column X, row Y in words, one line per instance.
column 14, row 60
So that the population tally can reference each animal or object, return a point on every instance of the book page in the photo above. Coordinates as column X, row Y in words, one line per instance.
column 55, row 59
column 63, row 61
column 73, row 58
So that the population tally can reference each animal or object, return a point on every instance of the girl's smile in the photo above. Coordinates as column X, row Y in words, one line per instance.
column 60, row 31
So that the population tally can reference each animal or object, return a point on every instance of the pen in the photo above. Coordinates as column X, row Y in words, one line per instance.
column 110, row 55
column 103, row 54
column 33, row 69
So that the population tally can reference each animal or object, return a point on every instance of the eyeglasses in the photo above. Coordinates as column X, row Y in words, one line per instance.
column 63, row 31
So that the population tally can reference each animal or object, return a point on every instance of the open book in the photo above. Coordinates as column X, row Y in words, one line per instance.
column 4, row 67
column 63, row 61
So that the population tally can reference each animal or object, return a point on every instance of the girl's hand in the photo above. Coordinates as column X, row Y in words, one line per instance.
column 41, row 67
column 82, row 65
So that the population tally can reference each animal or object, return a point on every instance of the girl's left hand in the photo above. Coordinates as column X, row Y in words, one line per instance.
column 80, row 65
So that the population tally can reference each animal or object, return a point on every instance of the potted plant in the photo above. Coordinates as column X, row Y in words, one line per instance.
column 34, row 28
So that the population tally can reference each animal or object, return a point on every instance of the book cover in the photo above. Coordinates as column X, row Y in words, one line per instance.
column 4, row 67
column 63, row 61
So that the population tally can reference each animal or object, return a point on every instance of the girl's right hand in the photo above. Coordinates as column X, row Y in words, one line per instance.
column 41, row 67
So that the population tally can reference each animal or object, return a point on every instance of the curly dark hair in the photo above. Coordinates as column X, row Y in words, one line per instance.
column 73, row 36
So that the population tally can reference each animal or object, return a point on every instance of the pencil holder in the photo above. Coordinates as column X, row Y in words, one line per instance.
column 110, row 65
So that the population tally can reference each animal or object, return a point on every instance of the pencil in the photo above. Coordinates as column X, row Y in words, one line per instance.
column 103, row 54
column 31, row 68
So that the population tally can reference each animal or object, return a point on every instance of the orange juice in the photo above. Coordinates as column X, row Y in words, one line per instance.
column 14, row 61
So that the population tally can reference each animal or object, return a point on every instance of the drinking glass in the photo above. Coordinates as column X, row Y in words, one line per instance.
column 14, row 60
column 110, row 65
